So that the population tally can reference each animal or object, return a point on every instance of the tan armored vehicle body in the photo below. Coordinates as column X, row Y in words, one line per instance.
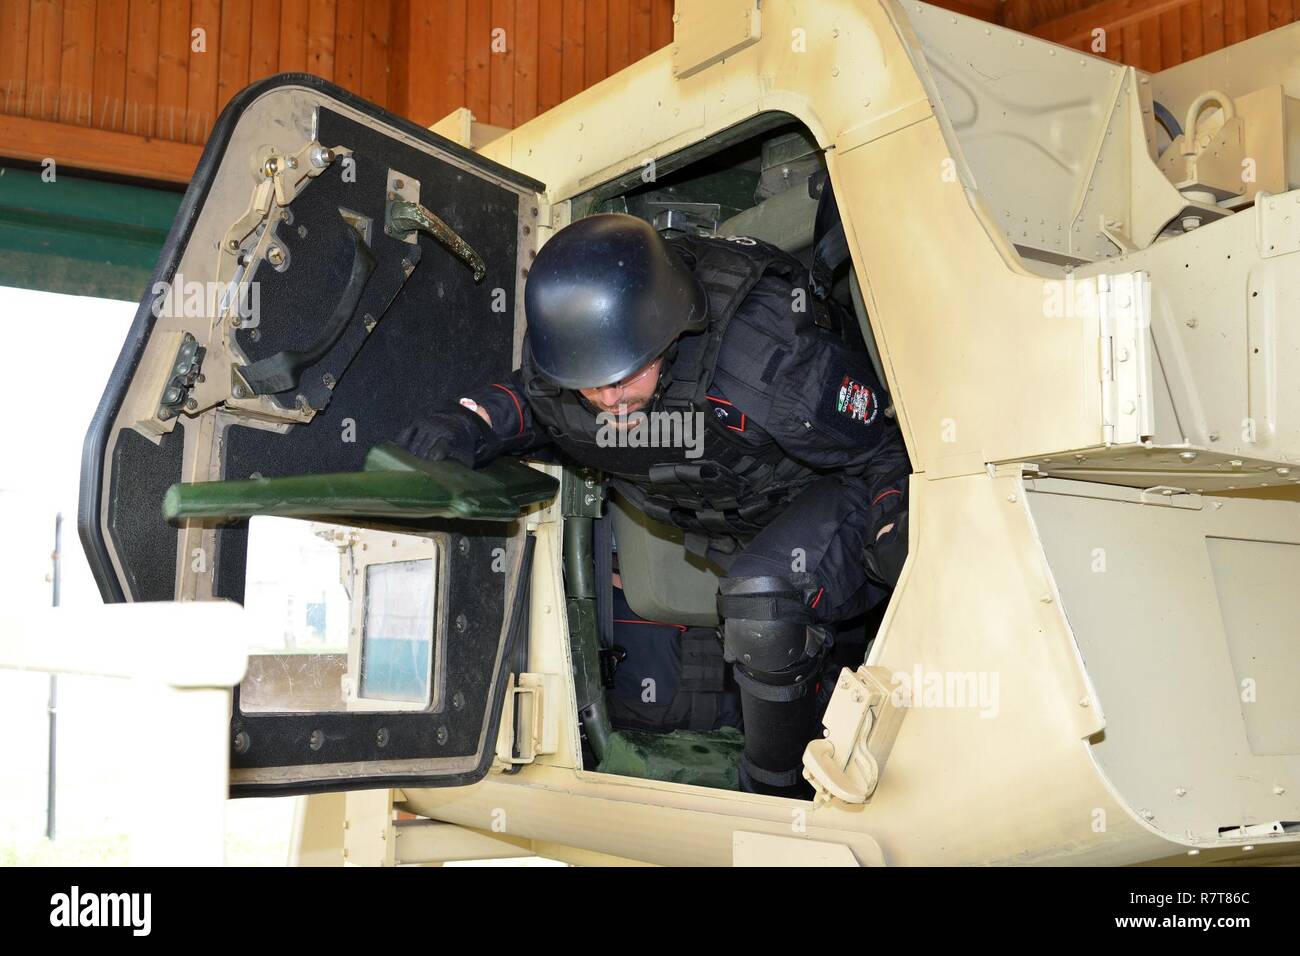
column 1082, row 285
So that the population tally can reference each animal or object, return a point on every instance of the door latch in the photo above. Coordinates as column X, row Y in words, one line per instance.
column 861, row 722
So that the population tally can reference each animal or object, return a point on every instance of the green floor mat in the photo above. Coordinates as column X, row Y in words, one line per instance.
column 703, row 758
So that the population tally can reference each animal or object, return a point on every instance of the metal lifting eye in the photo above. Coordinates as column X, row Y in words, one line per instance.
column 401, row 218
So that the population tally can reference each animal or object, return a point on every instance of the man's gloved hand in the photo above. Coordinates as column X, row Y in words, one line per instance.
column 885, row 556
column 458, row 435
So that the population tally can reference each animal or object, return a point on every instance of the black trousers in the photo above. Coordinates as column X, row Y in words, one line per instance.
column 822, row 533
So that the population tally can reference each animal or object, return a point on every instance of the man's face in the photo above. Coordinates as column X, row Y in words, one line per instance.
column 628, row 395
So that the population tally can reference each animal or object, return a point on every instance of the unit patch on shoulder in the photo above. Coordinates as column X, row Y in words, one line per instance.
column 856, row 401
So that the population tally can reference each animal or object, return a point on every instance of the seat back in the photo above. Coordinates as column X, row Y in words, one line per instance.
column 661, row 580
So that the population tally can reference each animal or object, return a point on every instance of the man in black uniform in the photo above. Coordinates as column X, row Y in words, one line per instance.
column 794, row 480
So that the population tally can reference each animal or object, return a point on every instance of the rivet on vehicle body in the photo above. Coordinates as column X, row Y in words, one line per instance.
column 461, row 623
column 240, row 392
column 381, row 737
column 1214, row 436
column 317, row 740
column 302, row 232
column 443, row 735
column 191, row 404
column 1011, row 498
column 1180, row 791
column 242, row 743
column 458, row 700
column 328, row 381
column 1187, row 455
column 275, row 256
column 1045, row 599
column 399, row 184
column 1085, row 702
column 1279, row 790
column 1147, row 815
column 255, row 335
column 463, row 545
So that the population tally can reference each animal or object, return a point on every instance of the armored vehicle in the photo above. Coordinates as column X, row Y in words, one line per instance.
column 1081, row 284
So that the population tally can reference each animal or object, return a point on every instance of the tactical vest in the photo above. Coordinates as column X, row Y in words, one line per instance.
column 734, row 487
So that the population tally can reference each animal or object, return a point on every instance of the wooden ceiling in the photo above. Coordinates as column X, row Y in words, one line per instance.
column 128, row 87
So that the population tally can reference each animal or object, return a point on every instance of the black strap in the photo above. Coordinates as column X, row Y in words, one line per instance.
column 602, row 544
column 728, row 271
column 771, row 778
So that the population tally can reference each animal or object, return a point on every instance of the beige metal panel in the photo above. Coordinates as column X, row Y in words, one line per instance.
column 548, row 645
column 1030, row 117
column 708, row 30
column 1174, row 608
column 1223, row 299
column 368, row 838
column 317, row 838
column 848, row 73
column 427, row 841
column 764, row 849
column 978, row 369
column 1017, row 787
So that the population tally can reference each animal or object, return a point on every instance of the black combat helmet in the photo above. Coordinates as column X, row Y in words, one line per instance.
column 605, row 296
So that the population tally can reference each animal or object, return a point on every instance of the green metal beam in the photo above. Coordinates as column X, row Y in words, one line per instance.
column 80, row 236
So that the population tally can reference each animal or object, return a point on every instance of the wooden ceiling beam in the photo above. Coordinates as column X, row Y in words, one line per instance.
column 1108, row 15
column 82, row 147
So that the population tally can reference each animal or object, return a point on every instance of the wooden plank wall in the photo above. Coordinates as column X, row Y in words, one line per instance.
column 152, row 70
column 136, row 66
column 133, row 86
column 1152, row 35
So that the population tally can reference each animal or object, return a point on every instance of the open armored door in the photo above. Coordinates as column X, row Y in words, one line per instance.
column 334, row 273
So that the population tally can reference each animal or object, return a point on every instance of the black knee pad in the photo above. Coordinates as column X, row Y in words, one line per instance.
column 777, row 651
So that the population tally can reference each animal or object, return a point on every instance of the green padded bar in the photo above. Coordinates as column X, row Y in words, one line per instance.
column 394, row 484
column 702, row 758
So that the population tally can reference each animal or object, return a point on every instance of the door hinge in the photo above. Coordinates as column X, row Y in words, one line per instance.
column 861, row 722
column 1124, row 314
column 526, row 730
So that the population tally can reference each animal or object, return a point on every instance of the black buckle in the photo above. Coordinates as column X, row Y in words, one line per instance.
column 610, row 658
